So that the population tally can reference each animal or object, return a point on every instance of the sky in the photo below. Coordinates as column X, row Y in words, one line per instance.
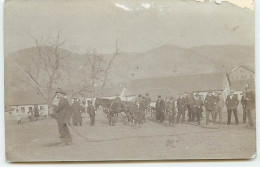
column 137, row 25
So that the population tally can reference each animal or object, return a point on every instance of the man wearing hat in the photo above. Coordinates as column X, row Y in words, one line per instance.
column 142, row 107
column 220, row 106
column 250, row 105
column 160, row 109
column 197, row 108
column 91, row 112
column 181, row 106
column 170, row 110
column 148, row 101
column 76, row 113
column 36, row 111
column 189, row 103
column 243, row 103
column 232, row 103
column 63, row 112
column 210, row 105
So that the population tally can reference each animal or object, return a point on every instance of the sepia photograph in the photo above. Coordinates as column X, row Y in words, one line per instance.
column 120, row 80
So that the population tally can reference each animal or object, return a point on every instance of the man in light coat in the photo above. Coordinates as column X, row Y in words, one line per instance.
column 220, row 106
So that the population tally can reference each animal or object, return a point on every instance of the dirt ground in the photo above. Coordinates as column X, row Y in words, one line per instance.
column 39, row 141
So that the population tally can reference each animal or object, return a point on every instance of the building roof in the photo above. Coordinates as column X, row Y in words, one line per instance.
column 179, row 84
column 247, row 67
column 19, row 98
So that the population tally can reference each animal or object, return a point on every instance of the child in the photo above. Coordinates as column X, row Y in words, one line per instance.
column 18, row 118
column 30, row 115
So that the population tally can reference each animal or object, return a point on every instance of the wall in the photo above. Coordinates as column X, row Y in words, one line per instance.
column 26, row 109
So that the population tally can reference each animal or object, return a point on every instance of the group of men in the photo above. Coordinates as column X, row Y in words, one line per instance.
column 191, row 106
column 192, row 103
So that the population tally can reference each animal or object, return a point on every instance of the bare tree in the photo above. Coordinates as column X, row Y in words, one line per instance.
column 46, row 63
column 96, row 69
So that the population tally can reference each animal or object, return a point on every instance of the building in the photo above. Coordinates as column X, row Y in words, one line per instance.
column 174, row 85
column 24, row 101
column 242, row 72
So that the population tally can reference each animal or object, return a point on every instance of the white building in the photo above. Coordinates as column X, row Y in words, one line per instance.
column 24, row 101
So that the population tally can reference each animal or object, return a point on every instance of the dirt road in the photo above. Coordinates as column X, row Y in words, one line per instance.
column 39, row 141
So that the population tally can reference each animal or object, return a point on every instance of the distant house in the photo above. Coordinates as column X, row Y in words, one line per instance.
column 242, row 76
column 24, row 101
column 173, row 86
column 242, row 72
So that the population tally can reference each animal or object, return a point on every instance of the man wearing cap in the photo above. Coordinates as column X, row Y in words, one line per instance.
column 91, row 112
column 189, row 103
column 243, row 103
column 181, row 106
column 197, row 108
column 250, row 105
column 170, row 110
column 142, row 107
column 63, row 112
column 220, row 106
column 76, row 113
column 232, row 103
column 160, row 109
column 210, row 103
column 148, row 101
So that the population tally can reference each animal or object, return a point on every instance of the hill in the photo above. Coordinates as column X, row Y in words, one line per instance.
column 166, row 60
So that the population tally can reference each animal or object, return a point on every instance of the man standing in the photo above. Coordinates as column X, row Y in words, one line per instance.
column 210, row 104
column 148, row 101
column 189, row 102
column 243, row 103
column 36, row 112
column 170, row 110
column 220, row 106
column 142, row 107
column 160, row 109
column 115, row 107
column 63, row 113
column 181, row 105
column 250, row 105
column 91, row 112
column 197, row 109
column 76, row 113
column 232, row 103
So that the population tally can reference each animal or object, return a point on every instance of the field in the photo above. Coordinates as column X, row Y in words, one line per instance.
column 38, row 141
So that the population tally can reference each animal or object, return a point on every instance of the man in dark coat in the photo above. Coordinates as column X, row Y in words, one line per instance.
column 189, row 103
column 92, row 113
column 250, row 105
column 170, row 110
column 36, row 112
column 76, row 113
column 210, row 103
column 197, row 108
column 115, row 108
column 181, row 105
column 232, row 103
column 243, row 103
column 142, row 107
column 148, row 101
column 160, row 109
column 63, row 115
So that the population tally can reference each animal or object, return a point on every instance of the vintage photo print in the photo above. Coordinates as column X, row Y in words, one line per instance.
column 120, row 80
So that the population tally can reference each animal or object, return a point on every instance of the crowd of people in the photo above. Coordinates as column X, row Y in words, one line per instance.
column 188, row 107
column 191, row 106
